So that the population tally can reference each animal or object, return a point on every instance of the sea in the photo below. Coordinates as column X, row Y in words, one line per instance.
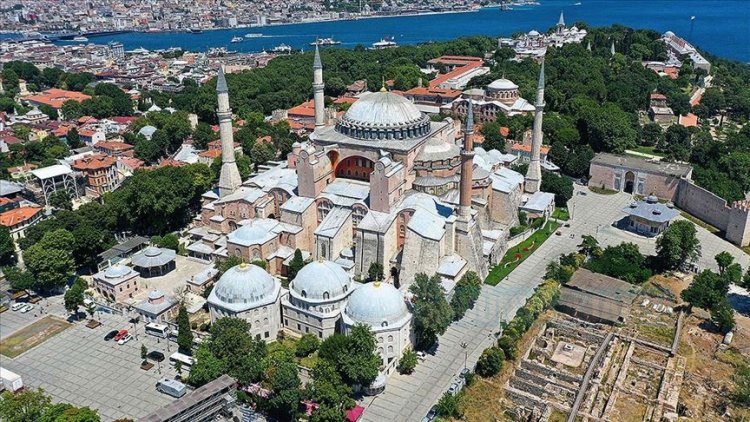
column 721, row 27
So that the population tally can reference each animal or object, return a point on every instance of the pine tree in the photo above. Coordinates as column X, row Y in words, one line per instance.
column 184, row 335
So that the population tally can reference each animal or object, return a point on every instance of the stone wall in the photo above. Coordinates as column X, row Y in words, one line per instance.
column 738, row 227
column 734, row 221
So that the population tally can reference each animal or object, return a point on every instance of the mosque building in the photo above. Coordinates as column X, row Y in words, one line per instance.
column 382, row 184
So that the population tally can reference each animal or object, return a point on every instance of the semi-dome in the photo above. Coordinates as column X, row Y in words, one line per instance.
column 436, row 149
column 243, row 287
column 376, row 304
column 502, row 84
column 321, row 280
column 383, row 115
column 117, row 271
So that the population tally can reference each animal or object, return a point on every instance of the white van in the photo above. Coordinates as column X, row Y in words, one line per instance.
column 171, row 387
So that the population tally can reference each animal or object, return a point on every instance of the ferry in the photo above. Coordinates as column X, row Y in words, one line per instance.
column 282, row 48
column 384, row 43
column 80, row 38
column 254, row 35
column 325, row 41
column 236, row 40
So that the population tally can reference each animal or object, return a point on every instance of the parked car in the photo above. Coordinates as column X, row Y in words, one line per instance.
column 454, row 389
column 110, row 335
column 125, row 339
column 120, row 335
column 16, row 306
column 28, row 308
column 156, row 356
column 171, row 387
column 464, row 372
column 421, row 354
column 431, row 415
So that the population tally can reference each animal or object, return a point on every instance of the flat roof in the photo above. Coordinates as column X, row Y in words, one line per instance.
column 635, row 163
column 591, row 305
column 51, row 171
column 603, row 286
column 190, row 399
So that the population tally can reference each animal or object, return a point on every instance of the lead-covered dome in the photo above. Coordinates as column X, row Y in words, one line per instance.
column 244, row 287
column 321, row 280
column 502, row 84
column 383, row 115
column 117, row 271
column 376, row 304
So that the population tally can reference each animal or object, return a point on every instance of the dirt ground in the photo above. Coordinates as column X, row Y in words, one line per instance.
column 32, row 335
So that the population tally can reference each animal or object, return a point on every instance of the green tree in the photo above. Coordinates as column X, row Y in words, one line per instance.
column 72, row 110
column 465, row 293
column 169, row 241
column 447, row 406
column 589, row 246
column 74, row 297
column 678, row 246
column 63, row 412
column 361, row 364
column 652, row 134
column 285, row 384
column 202, row 135
column 184, row 333
column 432, row 313
column 49, row 111
column 295, row 265
column 19, row 279
column 207, row 367
column 61, row 200
column 7, row 247
column 306, row 345
column 724, row 259
column 623, row 261
column 49, row 260
column 561, row 186
column 508, row 345
column 408, row 362
column 26, row 405
column 73, row 138
column 490, row 362
column 722, row 315
column 493, row 138
column 375, row 272
column 231, row 342
column 144, row 353
column 329, row 390
column 706, row 290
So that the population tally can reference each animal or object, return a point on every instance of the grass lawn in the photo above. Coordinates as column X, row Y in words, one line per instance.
column 647, row 150
column 561, row 214
column 602, row 191
column 516, row 255
column 32, row 335
column 291, row 345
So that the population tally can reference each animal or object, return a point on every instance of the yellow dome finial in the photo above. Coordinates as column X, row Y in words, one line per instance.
column 382, row 87
column 376, row 284
column 243, row 265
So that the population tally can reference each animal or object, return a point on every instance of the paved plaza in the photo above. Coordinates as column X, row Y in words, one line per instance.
column 77, row 366
column 409, row 397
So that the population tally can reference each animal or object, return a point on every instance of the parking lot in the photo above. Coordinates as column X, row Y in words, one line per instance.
column 77, row 366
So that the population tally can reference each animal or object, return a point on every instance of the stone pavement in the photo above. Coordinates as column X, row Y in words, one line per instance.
column 77, row 366
column 409, row 397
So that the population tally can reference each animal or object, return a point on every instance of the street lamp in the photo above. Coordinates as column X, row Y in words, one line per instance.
column 466, row 353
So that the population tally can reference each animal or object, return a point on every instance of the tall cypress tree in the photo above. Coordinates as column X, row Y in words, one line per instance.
column 185, row 335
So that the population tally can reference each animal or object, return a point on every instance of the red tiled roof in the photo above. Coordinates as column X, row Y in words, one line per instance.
column 55, row 98
column 264, row 139
column 306, row 109
column 211, row 153
column 123, row 120
column 689, row 120
column 16, row 216
column 94, row 162
column 658, row 96
column 113, row 145
column 527, row 148
column 454, row 73
column 133, row 163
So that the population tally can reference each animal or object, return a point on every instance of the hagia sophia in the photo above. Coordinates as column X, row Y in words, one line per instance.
column 382, row 184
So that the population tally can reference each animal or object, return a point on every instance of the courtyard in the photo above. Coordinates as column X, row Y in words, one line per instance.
column 77, row 366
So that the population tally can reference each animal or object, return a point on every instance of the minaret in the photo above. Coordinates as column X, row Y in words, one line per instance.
column 467, row 164
column 588, row 46
column 318, row 86
column 612, row 49
column 534, row 174
column 560, row 24
column 230, row 179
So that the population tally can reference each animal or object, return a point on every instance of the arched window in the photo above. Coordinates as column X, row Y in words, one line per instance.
column 384, row 324
column 390, row 349
column 325, row 295
column 303, row 293
column 390, row 339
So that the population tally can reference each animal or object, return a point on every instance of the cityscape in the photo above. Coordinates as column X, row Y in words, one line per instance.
column 546, row 225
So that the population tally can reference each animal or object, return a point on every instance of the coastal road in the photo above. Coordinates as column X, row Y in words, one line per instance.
column 409, row 397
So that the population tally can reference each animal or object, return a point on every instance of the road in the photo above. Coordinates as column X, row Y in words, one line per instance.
column 409, row 397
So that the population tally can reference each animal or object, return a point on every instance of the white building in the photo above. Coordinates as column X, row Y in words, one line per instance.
column 317, row 296
column 248, row 292
column 382, row 308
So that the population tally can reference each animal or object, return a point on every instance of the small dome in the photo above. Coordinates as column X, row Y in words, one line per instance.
column 117, row 271
column 377, row 304
column 152, row 251
column 321, row 280
column 244, row 286
column 436, row 149
column 383, row 115
column 652, row 199
column 502, row 84
column 147, row 131
column 155, row 294
column 533, row 33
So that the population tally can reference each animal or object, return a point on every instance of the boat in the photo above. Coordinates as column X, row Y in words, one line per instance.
column 80, row 38
column 237, row 40
column 325, row 41
column 386, row 42
column 577, row 4
column 282, row 48
column 195, row 31
column 254, row 35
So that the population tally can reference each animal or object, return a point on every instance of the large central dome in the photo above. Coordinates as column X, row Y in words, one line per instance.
column 383, row 115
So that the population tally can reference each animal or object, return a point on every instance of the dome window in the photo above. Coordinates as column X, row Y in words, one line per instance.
column 303, row 293
column 384, row 324
column 326, row 295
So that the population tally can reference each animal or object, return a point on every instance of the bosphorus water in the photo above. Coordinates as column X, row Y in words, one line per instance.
column 721, row 27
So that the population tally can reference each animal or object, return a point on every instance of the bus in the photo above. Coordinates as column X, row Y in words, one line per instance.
column 158, row 330
column 185, row 360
